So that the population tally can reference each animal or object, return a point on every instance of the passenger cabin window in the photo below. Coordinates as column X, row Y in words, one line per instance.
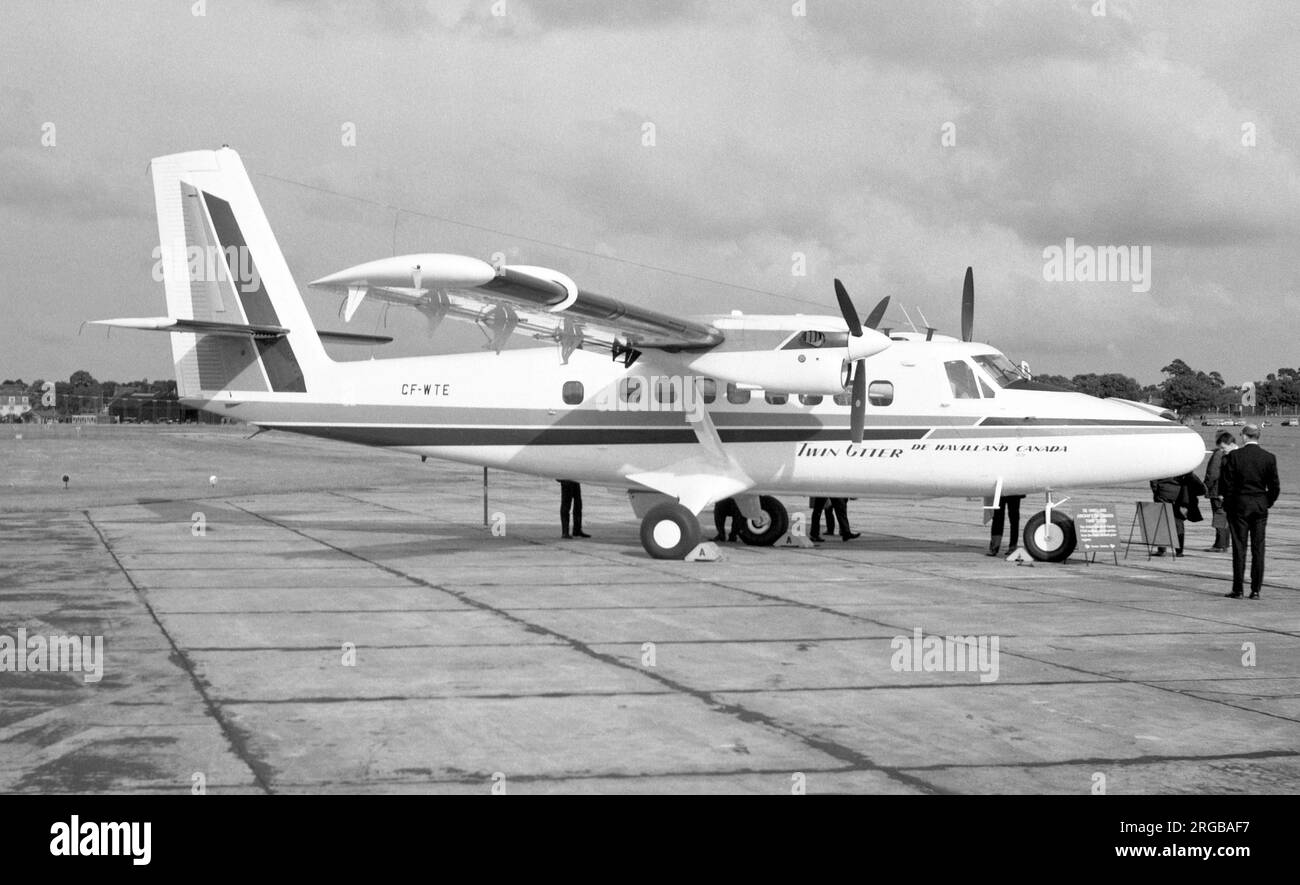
column 708, row 389
column 843, row 399
column 777, row 399
column 961, row 378
column 737, row 396
column 629, row 390
column 573, row 392
column 810, row 399
column 880, row 393
column 666, row 390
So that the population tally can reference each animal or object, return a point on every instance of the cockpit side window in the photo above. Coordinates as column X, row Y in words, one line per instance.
column 1003, row 372
column 961, row 378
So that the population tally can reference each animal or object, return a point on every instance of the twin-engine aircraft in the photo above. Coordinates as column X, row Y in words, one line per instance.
column 679, row 412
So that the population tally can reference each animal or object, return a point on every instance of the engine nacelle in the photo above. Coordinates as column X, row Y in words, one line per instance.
column 435, row 270
column 803, row 370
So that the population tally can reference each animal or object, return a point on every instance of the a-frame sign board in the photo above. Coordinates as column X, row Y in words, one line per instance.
column 1156, row 520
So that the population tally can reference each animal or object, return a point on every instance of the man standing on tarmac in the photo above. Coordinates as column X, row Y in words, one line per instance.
column 1249, row 485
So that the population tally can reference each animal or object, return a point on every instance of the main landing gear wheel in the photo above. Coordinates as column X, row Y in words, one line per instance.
column 1050, row 543
column 669, row 531
column 776, row 522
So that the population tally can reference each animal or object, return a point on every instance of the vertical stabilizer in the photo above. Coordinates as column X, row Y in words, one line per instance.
column 221, row 263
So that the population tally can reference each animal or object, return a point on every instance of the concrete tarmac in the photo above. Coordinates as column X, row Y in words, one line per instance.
column 345, row 623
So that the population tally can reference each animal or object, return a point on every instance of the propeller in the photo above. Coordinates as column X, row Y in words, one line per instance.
column 858, row 352
column 877, row 313
column 967, row 305
column 846, row 307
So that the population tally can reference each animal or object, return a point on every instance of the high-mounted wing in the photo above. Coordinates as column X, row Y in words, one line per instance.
column 516, row 298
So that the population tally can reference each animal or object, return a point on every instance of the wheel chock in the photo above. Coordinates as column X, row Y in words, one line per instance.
column 1019, row 556
column 793, row 540
column 705, row 552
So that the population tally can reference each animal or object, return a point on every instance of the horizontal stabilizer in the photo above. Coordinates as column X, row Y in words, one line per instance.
column 207, row 327
column 238, row 330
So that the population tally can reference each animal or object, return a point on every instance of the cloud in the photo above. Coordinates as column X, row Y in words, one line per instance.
column 774, row 134
column 958, row 36
column 620, row 14
column 317, row 17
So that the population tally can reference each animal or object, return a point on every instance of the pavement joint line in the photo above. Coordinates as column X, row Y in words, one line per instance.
column 478, row 781
column 1149, row 759
column 667, row 692
column 598, row 776
column 823, row 745
column 334, row 648
column 238, row 743
column 377, row 611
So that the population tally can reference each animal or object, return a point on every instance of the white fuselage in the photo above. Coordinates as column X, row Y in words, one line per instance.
column 509, row 411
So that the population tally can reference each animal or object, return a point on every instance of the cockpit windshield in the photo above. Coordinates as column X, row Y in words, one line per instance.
column 1000, row 369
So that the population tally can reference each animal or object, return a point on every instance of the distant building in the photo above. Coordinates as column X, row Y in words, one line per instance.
column 13, row 403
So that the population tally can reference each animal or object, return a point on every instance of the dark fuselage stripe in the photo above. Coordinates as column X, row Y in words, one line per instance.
column 433, row 436
column 573, row 436
column 1075, row 422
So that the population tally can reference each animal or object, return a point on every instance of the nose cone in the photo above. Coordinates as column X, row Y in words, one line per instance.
column 1186, row 452
column 1160, row 448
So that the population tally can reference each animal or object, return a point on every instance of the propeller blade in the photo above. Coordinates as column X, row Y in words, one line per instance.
column 877, row 313
column 848, row 310
column 967, row 305
column 858, row 416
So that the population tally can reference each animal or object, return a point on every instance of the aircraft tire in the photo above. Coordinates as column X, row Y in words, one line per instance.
column 778, row 523
column 1053, row 545
column 669, row 531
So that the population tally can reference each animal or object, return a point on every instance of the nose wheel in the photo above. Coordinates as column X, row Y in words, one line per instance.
column 1050, row 542
column 669, row 531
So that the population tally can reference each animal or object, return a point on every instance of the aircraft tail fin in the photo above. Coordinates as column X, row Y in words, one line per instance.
column 222, row 268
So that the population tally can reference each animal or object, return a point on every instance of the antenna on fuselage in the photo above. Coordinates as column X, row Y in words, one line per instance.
column 929, row 329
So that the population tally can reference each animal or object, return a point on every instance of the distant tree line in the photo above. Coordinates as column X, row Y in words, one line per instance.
column 119, row 401
column 1188, row 391
column 82, row 392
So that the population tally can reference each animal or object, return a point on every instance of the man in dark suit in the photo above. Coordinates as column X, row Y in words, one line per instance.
column 837, row 506
column 1249, row 485
column 727, row 509
column 571, row 499
column 1008, row 506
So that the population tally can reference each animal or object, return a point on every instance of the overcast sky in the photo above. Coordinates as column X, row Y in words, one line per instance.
column 774, row 134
